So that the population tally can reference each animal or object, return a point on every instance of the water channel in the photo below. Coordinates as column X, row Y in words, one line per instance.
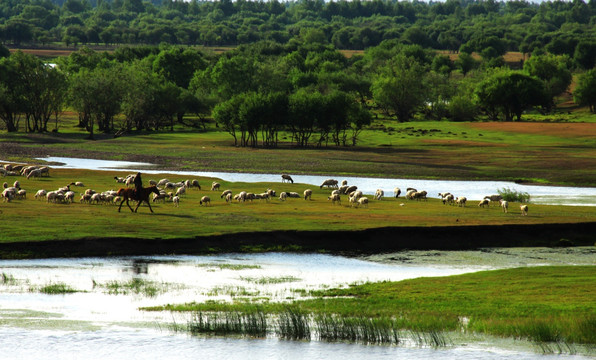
column 556, row 195
column 97, row 322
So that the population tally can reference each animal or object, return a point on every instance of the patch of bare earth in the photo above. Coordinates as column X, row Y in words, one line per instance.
column 551, row 129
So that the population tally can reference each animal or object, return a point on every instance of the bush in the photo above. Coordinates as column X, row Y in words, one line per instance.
column 513, row 195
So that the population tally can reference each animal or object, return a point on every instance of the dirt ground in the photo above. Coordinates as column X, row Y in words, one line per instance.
column 554, row 129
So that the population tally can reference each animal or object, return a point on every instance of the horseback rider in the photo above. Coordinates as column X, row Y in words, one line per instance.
column 138, row 185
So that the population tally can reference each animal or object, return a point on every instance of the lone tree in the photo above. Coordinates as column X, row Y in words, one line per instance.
column 585, row 92
column 509, row 93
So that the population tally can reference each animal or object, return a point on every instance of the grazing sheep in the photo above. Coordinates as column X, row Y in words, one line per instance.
column 293, row 195
column 162, row 196
column 410, row 194
column 195, row 183
column 85, row 198
column 21, row 194
column 7, row 195
column 411, row 189
column 176, row 201
column 120, row 180
column 250, row 196
column 5, row 185
column 504, row 205
column 262, row 196
column 396, row 192
column 205, row 200
column 152, row 182
column 461, row 201
column 444, row 194
column 344, row 182
column 494, row 197
column 363, row 201
column 162, row 182
column 484, row 202
column 286, row 178
column 350, row 189
column 40, row 194
column 308, row 194
column 355, row 194
column 229, row 197
column 271, row 192
column 524, row 210
column 448, row 199
column 77, row 183
column 335, row 198
column 117, row 200
column 96, row 198
column 69, row 197
column 181, row 191
column 335, row 192
column 329, row 183
column 225, row 193
column 2, row 171
column 379, row 194
column 44, row 171
column 17, row 184
column 51, row 196
column 34, row 173
column 241, row 197
column 214, row 186
column 283, row 196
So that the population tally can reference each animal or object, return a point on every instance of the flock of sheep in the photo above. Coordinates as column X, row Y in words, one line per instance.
column 173, row 192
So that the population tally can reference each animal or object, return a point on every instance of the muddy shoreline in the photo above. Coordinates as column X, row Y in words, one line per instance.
column 349, row 243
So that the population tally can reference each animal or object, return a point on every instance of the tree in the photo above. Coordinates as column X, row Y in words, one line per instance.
column 398, row 89
column 179, row 65
column 585, row 54
column 509, row 93
column 551, row 69
column 465, row 62
column 585, row 92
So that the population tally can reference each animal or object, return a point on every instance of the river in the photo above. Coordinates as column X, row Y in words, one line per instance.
column 548, row 195
column 97, row 322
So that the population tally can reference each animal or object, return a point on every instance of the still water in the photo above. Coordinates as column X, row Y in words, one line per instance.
column 558, row 195
column 97, row 323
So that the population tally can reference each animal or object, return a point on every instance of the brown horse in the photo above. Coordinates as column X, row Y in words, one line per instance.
column 140, row 196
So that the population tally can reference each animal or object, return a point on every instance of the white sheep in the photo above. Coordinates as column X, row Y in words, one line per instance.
column 34, row 173
column 524, row 210
column 293, row 195
column 69, row 196
column 271, row 192
column 350, row 189
column 225, row 193
column 363, row 201
column 176, row 201
column 181, row 191
column 77, row 183
column 410, row 194
column 40, row 194
column 215, row 186
column 205, row 200
column 461, row 201
column 17, row 184
column 195, row 183
column 283, row 196
column 494, row 197
column 344, row 182
column 120, row 180
column 228, row 197
column 329, row 183
column 152, row 182
column 504, row 205
column 448, row 199
column 85, row 198
column 396, row 192
column 357, row 194
column 334, row 198
column 162, row 182
column 308, row 194
column 379, row 194
column 335, row 192
column 44, row 170
column 484, row 202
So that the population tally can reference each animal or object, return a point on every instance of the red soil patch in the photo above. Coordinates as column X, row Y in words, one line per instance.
column 553, row 129
column 461, row 143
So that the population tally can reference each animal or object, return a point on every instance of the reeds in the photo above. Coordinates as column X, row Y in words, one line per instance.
column 293, row 324
column 514, row 195
column 57, row 289
column 229, row 323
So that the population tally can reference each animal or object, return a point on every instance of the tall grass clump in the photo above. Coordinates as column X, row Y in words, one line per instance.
column 57, row 289
column 135, row 286
column 229, row 323
column 514, row 195
column 293, row 324
column 357, row 329
column 7, row 279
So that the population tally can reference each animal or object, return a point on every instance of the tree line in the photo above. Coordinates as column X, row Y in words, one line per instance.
column 305, row 90
column 487, row 26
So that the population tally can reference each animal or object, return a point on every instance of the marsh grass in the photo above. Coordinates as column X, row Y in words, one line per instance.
column 57, row 289
column 7, row 279
column 234, row 267
column 267, row 280
column 293, row 324
column 135, row 286
column 252, row 324
column 233, row 291
column 514, row 195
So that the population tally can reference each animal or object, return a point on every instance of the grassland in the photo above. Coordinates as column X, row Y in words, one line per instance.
column 541, row 304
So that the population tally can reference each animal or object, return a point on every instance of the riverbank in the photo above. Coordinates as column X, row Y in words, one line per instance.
column 351, row 243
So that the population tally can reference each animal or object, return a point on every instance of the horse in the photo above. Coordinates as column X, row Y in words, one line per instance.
column 140, row 196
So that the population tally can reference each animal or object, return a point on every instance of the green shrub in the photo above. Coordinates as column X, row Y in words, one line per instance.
column 514, row 196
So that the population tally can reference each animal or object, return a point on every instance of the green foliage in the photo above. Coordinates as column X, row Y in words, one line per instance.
column 585, row 92
column 514, row 195
column 509, row 93
column 57, row 289
column 585, row 54
column 553, row 70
